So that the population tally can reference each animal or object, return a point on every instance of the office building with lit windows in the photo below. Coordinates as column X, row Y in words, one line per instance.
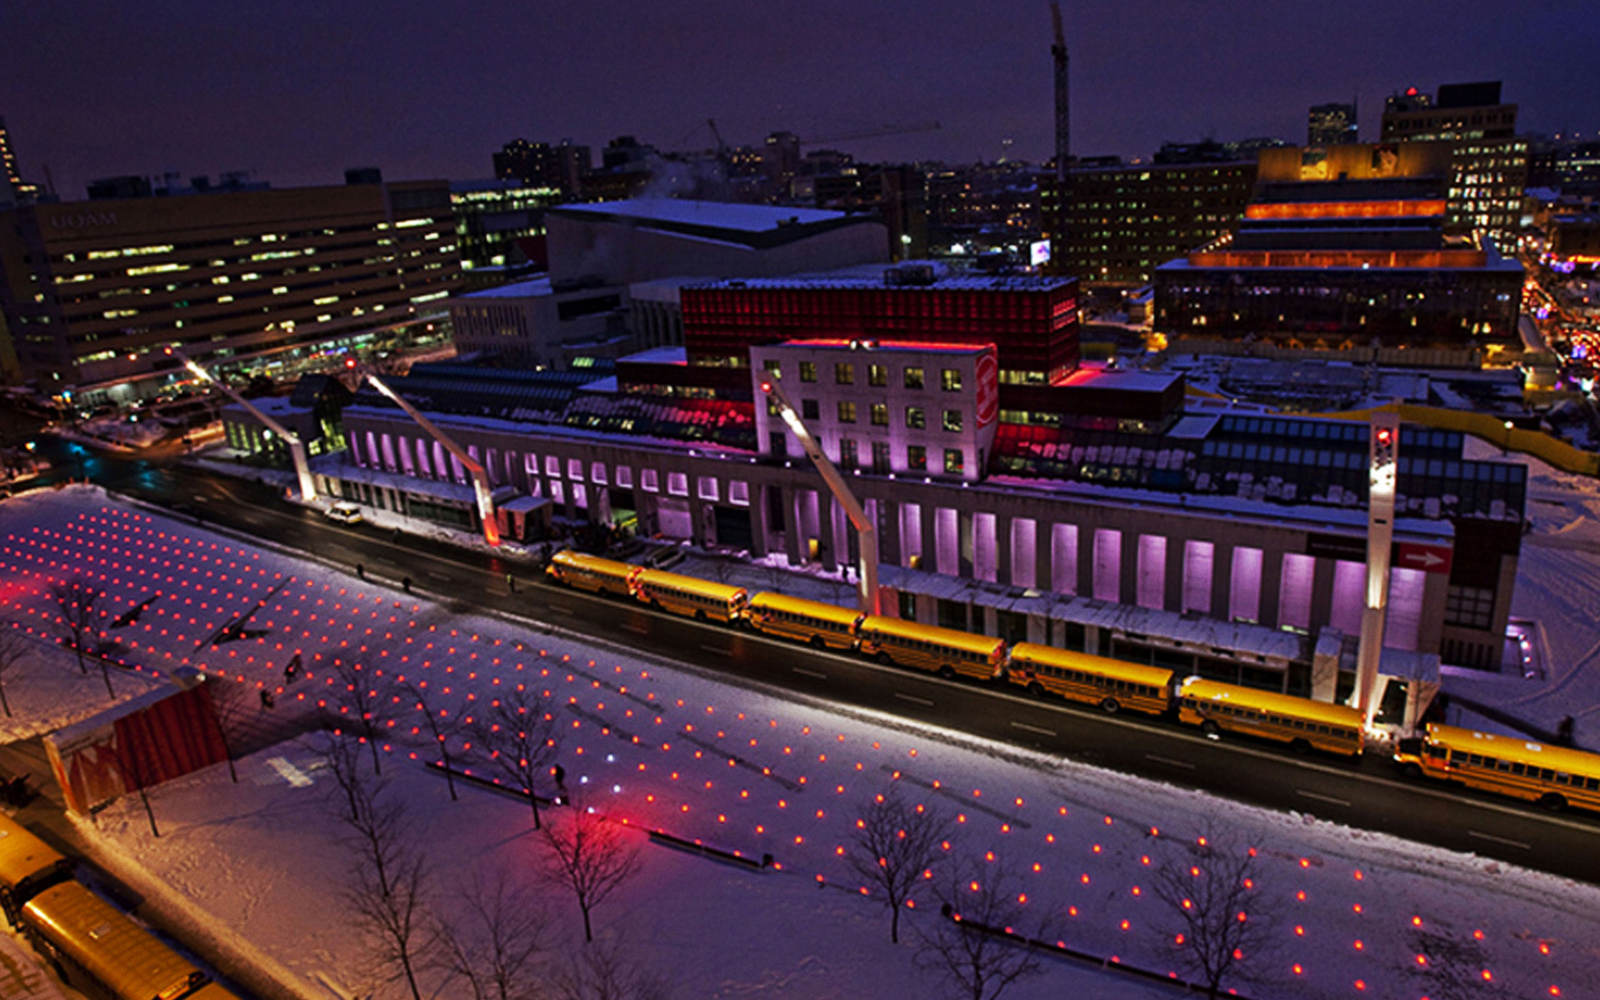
column 95, row 291
column 1489, row 162
column 500, row 229
column 1331, row 124
column 1113, row 225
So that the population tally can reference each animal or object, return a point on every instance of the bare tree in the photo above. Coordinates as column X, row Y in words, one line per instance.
column 516, row 734
column 969, row 950
column 896, row 846
column 355, row 692
column 1451, row 966
column 77, row 602
column 498, row 950
column 12, row 645
column 1213, row 905
column 441, row 725
column 228, row 705
column 395, row 919
column 591, row 856
column 389, row 892
column 604, row 972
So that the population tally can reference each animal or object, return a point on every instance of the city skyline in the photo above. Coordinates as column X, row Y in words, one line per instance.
column 437, row 95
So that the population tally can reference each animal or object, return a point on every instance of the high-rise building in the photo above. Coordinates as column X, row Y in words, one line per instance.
column 500, row 228
column 93, row 291
column 15, row 188
column 1331, row 124
column 1489, row 168
column 539, row 164
column 1121, row 222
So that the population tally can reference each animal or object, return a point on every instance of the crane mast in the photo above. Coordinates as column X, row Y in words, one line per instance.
column 867, row 577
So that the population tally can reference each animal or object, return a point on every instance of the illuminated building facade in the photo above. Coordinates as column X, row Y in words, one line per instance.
column 1032, row 321
column 500, row 229
column 1489, row 163
column 1343, row 247
column 93, row 291
column 1122, row 222
column 15, row 188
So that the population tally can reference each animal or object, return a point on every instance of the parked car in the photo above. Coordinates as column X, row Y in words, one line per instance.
column 344, row 512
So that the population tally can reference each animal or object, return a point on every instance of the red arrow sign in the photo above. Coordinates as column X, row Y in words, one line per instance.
column 1428, row 558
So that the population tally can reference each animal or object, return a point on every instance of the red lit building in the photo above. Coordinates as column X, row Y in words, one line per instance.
column 1032, row 321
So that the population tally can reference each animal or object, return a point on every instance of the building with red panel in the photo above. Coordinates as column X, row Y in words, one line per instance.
column 1032, row 321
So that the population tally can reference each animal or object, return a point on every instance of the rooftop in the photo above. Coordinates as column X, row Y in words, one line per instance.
column 534, row 287
column 873, row 276
column 732, row 216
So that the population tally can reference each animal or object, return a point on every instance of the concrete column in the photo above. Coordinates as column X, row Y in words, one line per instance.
column 1271, row 581
column 1086, row 559
column 964, row 543
column 1222, row 581
column 794, row 535
column 886, row 518
column 1172, row 586
column 1128, row 571
column 930, row 537
column 1321, row 594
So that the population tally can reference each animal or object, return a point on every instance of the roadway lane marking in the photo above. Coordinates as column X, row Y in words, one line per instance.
column 1033, row 729
column 1169, row 761
column 810, row 673
column 633, row 627
column 438, row 576
column 716, row 650
column 1322, row 798
column 561, row 609
column 925, row 703
column 1500, row 840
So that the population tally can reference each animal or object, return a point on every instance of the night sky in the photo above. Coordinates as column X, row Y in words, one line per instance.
column 297, row 91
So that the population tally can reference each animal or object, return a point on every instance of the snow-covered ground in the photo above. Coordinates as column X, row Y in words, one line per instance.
column 749, row 771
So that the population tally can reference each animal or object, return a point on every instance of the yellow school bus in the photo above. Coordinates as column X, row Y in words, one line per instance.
column 591, row 573
column 821, row 625
column 90, row 937
column 689, row 596
column 943, row 651
column 1095, row 680
column 1302, row 723
column 27, row 866
column 1554, row 777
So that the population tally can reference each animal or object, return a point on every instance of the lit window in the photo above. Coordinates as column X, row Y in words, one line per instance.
column 808, row 371
column 916, row 457
column 552, row 465
column 913, row 378
column 624, row 476
column 950, row 379
column 678, row 484
column 739, row 493
column 847, row 412
column 915, row 418
column 953, row 461
column 952, row 420
column 877, row 375
column 880, row 415
column 844, row 373
column 773, row 367
column 575, row 469
column 597, row 473
column 648, row 481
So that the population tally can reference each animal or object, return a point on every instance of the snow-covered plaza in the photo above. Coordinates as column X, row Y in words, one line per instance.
column 259, row 864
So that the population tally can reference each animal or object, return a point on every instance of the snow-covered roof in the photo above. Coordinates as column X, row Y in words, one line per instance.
column 734, row 216
column 872, row 276
column 531, row 288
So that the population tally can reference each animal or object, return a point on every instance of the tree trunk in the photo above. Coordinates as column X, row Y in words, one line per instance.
column 373, row 742
column 588, row 934
column 449, row 778
column 77, row 647
column 894, row 923
column 3, row 702
column 105, row 673
column 533, row 800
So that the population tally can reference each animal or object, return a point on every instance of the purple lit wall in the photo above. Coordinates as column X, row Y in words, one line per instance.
column 1349, row 594
column 1244, row 592
column 910, row 534
column 1107, row 564
column 985, row 552
column 1197, row 569
column 1024, row 552
column 1064, row 559
column 1294, row 590
column 947, row 552
column 1405, row 608
column 1152, row 586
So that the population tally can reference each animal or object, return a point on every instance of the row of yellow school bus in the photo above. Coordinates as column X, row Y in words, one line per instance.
column 1555, row 777
column 94, row 946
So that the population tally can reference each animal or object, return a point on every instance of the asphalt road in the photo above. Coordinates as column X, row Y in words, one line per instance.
column 1369, row 795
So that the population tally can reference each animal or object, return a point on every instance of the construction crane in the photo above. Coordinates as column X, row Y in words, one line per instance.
column 480, row 478
column 867, row 577
column 297, row 448
column 876, row 133
column 1058, row 53
column 722, row 147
